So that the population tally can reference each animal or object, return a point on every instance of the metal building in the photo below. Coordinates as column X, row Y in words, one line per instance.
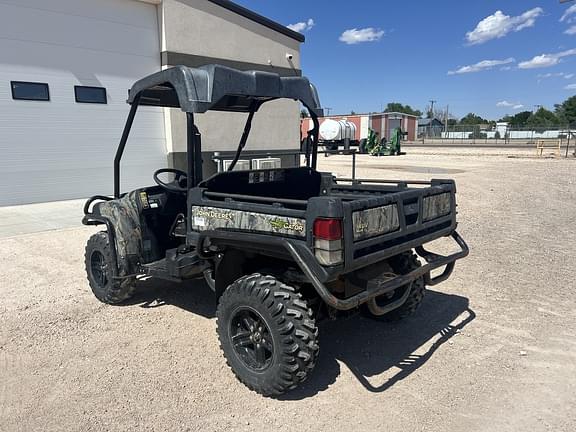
column 65, row 71
column 430, row 128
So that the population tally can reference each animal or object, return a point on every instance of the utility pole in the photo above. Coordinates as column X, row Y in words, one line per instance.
column 431, row 117
column 432, row 102
column 327, row 111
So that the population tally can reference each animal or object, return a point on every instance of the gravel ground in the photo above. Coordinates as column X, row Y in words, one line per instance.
column 492, row 349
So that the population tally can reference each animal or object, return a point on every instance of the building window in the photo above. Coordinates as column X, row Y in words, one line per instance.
column 30, row 91
column 95, row 95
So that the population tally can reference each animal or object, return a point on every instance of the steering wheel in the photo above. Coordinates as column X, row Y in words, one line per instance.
column 175, row 186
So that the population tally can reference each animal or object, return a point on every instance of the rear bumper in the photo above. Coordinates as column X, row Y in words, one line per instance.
column 433, row 261
column 318, row 275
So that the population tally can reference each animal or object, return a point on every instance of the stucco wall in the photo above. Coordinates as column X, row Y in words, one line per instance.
column 203, row 28
column 193, row 30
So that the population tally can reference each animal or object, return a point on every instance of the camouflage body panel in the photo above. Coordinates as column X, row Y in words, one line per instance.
column 375, row 221
column 124, row 216
column 213, row 218
column 435, row 206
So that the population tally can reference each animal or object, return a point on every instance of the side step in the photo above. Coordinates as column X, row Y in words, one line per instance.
column 159, row 269
column 176, row 266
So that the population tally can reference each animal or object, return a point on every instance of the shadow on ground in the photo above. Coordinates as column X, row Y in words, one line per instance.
column 386, row 352
column 193, row 296
column 389, row 352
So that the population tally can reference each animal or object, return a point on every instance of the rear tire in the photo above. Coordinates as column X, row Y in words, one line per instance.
column 267, row 333
column 100, row 263
column 402, row 264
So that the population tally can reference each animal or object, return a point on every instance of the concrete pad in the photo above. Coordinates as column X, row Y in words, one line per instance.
column 33, row 218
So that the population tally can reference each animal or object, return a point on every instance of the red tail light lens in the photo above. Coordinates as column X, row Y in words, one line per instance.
column 328, row 229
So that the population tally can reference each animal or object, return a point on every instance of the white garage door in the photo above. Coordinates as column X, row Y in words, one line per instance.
column 61, row 149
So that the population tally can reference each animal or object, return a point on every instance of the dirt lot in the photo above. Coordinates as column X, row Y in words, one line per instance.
column 492, row 349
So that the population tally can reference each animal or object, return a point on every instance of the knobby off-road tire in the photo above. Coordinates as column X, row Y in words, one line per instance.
column 267, row 333
column 402, row 264
column 100, row 263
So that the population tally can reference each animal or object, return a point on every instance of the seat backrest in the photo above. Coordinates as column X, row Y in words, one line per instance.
column 292, row 183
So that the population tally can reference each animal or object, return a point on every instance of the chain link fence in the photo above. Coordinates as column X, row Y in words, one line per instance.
column 495, row 135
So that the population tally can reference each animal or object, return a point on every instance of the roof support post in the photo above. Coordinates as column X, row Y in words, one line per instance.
column 194, row 152
column 122, row 145
column 315, row 134
column 245, row 135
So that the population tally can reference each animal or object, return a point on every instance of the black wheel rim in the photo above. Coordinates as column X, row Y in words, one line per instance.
column 251, row 339
column 99, row 268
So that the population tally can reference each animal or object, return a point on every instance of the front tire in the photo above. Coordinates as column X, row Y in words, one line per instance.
column 402, row 264
column 100, row 263
column 267, row 333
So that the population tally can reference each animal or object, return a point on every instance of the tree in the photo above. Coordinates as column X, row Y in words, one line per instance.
column 566, row 111
column 406, row 109
column 542, row 118
column 440, row 114
column 303, row 113
column 517, row 120
column 472, row 119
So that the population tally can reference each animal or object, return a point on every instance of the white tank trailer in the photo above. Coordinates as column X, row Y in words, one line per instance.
column 337, row 133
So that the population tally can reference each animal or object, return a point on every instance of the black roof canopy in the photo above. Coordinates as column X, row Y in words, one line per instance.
column 220, row 88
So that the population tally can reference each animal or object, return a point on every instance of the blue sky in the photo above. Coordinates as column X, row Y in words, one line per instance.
column 488, row 57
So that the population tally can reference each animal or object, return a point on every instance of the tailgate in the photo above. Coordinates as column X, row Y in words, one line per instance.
column 389, row 220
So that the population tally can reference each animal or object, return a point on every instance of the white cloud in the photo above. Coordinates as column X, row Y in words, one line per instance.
column 303, row 26
column 506, row 104
column 570, row 87
column 571, row 30
column 570, row 11
column 355, row 36
column 481, row 66
column 546, row 60
column 556, row 75
column 499, row 25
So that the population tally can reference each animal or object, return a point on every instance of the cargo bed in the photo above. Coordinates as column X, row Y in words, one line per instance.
column 380, row 219
column 387, row 216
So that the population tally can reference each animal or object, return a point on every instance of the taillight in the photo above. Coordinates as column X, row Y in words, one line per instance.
column 328, row 241
column 328, row 229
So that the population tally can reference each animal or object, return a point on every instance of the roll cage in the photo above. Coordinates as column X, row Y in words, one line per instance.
column 217, row 88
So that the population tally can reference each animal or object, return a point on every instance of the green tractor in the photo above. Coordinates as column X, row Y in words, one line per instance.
column 376, row 147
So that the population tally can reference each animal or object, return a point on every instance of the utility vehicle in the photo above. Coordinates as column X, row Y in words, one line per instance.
column 281, row 248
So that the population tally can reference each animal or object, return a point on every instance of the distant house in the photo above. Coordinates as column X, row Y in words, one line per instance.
column 430, row 127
